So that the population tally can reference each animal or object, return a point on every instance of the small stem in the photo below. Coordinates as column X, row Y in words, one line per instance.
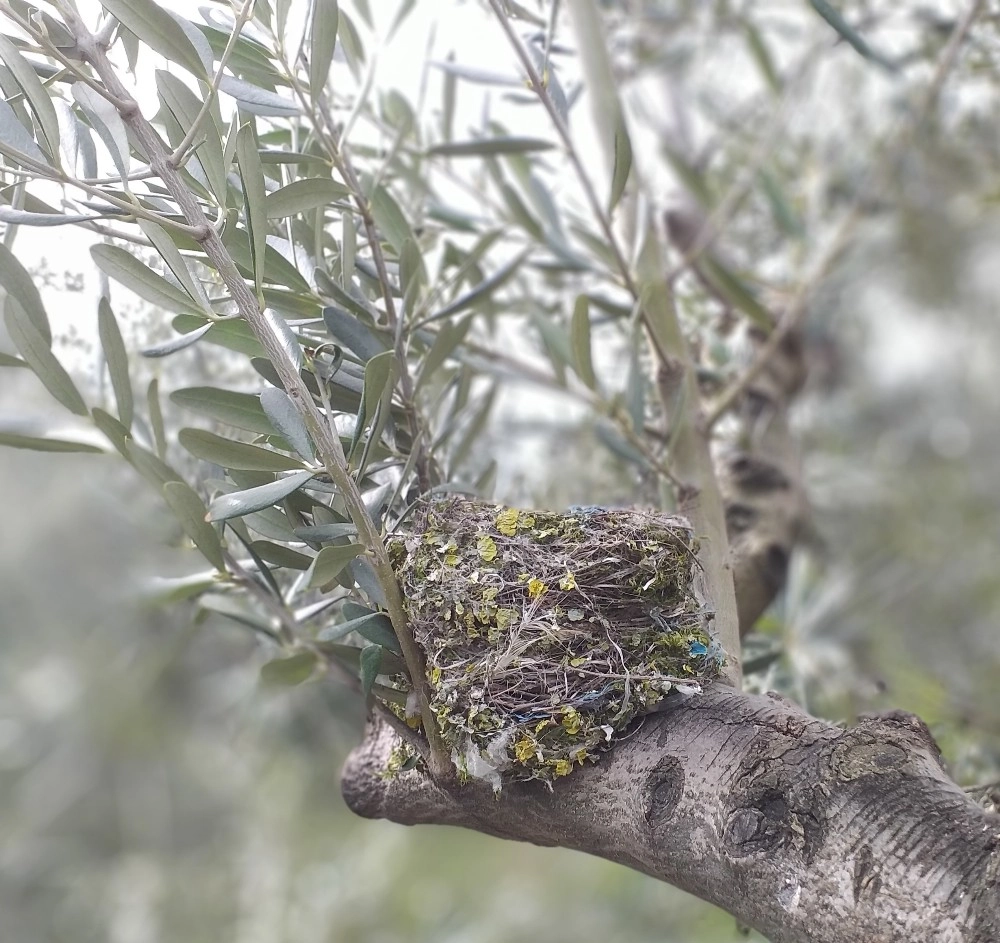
column 180, row 154
column 287, row 626
column 541, row 90
column 288, row 635
column 50, row 49
column 131, row 209
column 340, row 160
column 550, row 34
column 714, row 224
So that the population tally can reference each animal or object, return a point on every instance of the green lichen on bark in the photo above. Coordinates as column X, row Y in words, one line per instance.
column 547, row 634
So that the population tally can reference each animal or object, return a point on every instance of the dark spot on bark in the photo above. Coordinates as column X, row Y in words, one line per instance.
column 773, row 805
column 782, row 699
column 756, row 475
column 791, row 345
column 900, row 718
column 664, row 788
column 757, row 828
column 683, row 228
column 739, row 518
column 670, row 371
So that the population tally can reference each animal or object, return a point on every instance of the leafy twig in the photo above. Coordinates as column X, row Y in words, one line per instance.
column 328, row 446
column 180, row 154
column 540, row 88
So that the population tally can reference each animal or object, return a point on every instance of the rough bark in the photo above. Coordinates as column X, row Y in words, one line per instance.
column 801, row 829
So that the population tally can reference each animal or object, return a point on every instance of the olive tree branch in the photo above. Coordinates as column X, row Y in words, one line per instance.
column 326, row 133
column 128, row 209
column 329, row 448
column 69, row 63
column 289, row 636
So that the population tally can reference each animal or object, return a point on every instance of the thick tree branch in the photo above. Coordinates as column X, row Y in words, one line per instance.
column 801, row 829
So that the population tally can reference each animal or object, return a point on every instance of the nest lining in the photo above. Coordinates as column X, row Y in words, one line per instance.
column 547, row 634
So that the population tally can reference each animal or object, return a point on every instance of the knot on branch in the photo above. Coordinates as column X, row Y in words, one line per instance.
column 905, row 727
column 777, row 797
column 664, row 788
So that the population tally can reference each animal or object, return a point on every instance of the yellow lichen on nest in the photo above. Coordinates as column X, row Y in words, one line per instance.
column 547, row 634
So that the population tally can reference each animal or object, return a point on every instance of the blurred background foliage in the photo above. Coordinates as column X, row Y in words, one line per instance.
column 152, row 789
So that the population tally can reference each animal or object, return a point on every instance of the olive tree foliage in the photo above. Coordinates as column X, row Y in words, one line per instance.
column 382, row 269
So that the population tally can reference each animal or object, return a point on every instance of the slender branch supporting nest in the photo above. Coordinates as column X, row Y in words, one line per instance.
column 758, row 468
column 760, row 479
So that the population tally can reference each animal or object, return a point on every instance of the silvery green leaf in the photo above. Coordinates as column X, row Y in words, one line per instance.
column 170, row 254
column 239, row 503
column 22, row 291
column 304, row 194
column 252, row 181
column 319, row 533
column 391, row 221
column 116, row 358
column 34, row 92
column 490, row 146
column 34, row 348
column 287, row 421
column 231, row 454
column 258, row 101
column 479, row 76
column 160, row 31
column 289, row 340
column 207, row 163
column 322, row 45
column 76, row 142
column 289, row 672
column 105, row 120
column 177, row 343
column 15, row 139
column 371, row 663
column 197, row 39
column 242, row 410
column 140, row 278
column 190, row 512
column 363, row 573
column 352, row 333
column 16, row 440
column 24, row 218
column 581, row 343
column 330, row 561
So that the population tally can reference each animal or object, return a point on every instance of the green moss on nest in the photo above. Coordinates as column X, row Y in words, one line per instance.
column 547, row 634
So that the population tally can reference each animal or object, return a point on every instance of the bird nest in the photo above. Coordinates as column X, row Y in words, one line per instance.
column 547, row 634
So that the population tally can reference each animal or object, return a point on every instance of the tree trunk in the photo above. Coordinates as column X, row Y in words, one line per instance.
column 799, row 828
